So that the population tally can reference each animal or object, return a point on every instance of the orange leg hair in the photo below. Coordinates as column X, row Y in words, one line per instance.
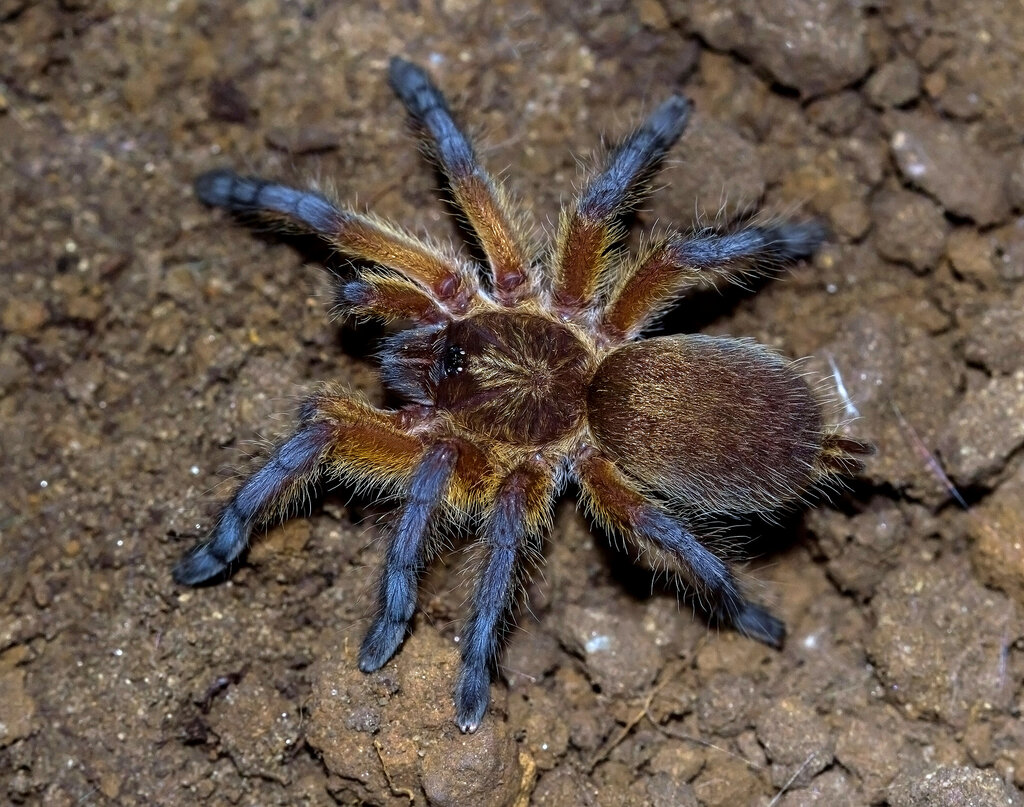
column 443, row 279
column 516, row 519
column 337, row 436
column 680, row 262
column 616, row 504
column 478, row 197
column 587, row 233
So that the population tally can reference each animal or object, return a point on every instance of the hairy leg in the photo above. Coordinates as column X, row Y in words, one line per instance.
column 442, row 282
column 476, row 194
column 520, row 512
column 679, row 262
column 405, row 556
column 586, row 233
column 272, row 489
column 387, row 298
column 336, row 435
column 617, row 504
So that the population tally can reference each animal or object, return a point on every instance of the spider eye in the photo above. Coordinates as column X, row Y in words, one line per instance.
column 454, row 360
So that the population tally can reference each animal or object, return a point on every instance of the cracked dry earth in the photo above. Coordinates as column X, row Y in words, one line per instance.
column 149, row 348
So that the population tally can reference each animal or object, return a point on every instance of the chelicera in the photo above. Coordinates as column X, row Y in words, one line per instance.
column 527, row 371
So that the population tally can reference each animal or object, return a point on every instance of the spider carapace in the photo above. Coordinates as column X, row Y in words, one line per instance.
column 528, row 371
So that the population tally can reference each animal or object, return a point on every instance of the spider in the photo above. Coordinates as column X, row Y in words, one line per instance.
column 523, row 372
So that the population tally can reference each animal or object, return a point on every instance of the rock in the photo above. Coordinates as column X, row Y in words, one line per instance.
column 796, row 740
column 954, row 787
column 851, row 219
column 17, row 708
column 870, row 749
column 996, row 340
column 1010, row 249
column 940, row 639
column 909, row 228
column 726, row 781
column 543, row 729
column 860, row 549
column 167, row 326
column 652, row 14
column 725, row 704
column 483, row 768
column 563, row 786
column 83, row 379
column 958, row 100
column 14, row 369
column 257, row 727
column 833, row 788
column 619, row 658
column 530, row 656
column 677, row 759
column 972, row 256
column 895, row 83
column 984, row 430
column 838, row 114
column 390, row 736
column 997, row 530
column 24, row 316
column 816, row 47
column 937, row 156
column 659, row 788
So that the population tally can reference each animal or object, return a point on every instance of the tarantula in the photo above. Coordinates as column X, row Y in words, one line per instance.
column 524, row 373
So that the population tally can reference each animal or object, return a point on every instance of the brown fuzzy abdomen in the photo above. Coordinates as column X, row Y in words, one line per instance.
column 720, row 425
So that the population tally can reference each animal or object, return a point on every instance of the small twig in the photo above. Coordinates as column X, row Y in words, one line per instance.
column 848, row 404
column 929, row 459
column 791, row 779
column 632, row 723
column 88, row 795
column 679, row 735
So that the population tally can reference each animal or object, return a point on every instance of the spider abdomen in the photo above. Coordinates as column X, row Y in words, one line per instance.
column 515, row 377
column 725, row 425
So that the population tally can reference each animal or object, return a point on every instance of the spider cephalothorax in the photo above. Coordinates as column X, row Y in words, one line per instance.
column 525, row 372
column 516, row 378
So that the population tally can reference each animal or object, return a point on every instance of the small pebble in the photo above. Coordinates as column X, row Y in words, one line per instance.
column 966, row 179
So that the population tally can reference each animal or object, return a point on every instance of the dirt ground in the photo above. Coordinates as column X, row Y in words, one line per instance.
column 149, row 349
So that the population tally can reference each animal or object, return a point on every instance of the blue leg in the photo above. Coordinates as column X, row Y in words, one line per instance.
column 405, row 557
column 519, row 510
column 223, row 188
column 615, row 190
column 617, row 504
column 714, row 583
column 587, row 234
column 680, row 262
column 271, row 489
column 426, row 105
column 755, row 247
column 478, row 197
